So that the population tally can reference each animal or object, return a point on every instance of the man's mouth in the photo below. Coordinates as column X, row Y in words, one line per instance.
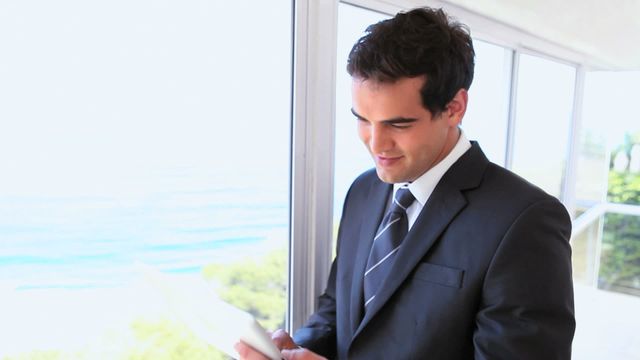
column 387, row 160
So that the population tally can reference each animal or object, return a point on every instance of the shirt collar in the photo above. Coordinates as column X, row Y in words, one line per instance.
column 424, row 185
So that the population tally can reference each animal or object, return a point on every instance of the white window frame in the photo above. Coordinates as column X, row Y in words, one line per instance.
column 314, row 58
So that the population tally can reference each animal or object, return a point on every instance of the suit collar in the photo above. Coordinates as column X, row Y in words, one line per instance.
column 467, row 172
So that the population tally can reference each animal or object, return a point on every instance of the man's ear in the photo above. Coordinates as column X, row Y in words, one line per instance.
column 457, row 107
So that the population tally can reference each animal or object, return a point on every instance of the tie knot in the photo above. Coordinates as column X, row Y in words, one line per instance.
column 403, row 198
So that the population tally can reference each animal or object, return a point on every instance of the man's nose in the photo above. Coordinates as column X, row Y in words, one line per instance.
column 379, row 140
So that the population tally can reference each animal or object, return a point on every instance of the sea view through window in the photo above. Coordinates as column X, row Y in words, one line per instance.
column 138, row 132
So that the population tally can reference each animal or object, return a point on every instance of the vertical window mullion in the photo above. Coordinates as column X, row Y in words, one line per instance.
column 568, row 191
column 511, row 123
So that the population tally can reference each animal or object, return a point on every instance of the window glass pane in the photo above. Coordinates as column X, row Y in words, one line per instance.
column 487, row 113
column 351, row 155
column 591, row 179
column 622, row 128
column 609, row 256
column 606, row 328
column 605, row 285
column 543, row 117
column 584, row 246
column 607, row 131
column 620, row 257
column 139, row 131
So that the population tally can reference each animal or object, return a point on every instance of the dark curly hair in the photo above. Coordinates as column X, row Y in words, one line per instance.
column 423, row 41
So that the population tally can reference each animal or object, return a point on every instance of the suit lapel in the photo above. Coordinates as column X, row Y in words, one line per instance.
column 379, row 195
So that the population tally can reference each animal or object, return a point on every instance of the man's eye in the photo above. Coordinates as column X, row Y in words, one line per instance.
column 400, row 126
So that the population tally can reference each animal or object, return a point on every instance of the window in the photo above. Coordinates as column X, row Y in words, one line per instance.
column 139, row 131
column 544, row 108
column 488, row 109
column 606, row 243
column 620, row 257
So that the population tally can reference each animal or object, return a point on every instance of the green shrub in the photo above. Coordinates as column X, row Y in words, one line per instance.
column 620, row 257
column 256, row 286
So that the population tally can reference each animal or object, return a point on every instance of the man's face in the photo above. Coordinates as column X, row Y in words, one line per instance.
column 403, row 137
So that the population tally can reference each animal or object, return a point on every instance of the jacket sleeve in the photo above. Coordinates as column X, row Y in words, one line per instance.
column 526, row 309
column 319, row 333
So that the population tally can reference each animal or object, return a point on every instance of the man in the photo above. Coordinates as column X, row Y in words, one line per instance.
column 482, row 268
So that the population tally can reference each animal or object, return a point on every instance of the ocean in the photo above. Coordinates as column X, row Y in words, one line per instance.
column 94, row 241
column 69, row 260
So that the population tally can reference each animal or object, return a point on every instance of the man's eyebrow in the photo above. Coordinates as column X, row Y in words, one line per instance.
column 396, row 120
column 357, row 115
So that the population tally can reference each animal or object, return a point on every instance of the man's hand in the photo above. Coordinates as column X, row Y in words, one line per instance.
column 246, row 352
column 284, row 342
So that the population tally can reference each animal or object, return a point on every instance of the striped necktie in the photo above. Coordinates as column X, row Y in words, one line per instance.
column 390, row 234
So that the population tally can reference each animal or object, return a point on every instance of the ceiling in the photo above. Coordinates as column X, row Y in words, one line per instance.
column 606, row 32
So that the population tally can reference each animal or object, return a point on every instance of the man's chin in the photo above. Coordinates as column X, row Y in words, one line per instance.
column 388, row 178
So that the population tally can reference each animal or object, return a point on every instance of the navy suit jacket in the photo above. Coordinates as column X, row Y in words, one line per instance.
column 484, row 273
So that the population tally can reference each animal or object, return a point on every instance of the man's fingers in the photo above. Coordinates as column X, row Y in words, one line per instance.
column 242, row 349
column 295, row 354
column 283, row 340
column 289, row 355
column 246, row 352
column 301, row 354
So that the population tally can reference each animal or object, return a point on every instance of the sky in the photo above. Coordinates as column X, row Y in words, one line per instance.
column 91, row 94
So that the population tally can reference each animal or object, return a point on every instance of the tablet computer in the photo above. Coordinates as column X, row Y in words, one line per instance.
column 218, row 323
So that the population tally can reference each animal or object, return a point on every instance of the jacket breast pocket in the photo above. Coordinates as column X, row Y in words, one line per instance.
column 439, row 274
